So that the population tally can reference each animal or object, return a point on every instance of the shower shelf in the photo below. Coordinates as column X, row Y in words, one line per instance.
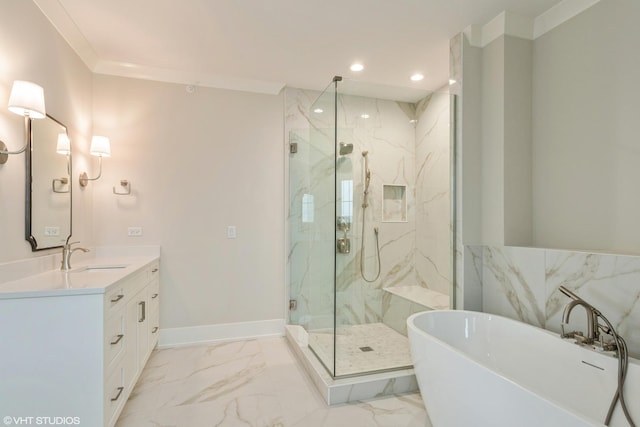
column 394, row 203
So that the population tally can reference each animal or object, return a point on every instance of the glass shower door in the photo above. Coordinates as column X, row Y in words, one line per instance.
column 312, row 227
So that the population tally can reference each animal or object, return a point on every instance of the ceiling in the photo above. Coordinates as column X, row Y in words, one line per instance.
column 263, row 45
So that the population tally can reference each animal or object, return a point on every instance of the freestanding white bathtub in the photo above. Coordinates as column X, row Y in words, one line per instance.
column 477, row 369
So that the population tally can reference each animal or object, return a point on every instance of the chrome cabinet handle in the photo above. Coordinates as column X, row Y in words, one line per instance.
column 120, row 389
column 118, row 298
column 154, row 330
column 143, row 305
column 120, row 336
column 154, row 296
column 155, row 270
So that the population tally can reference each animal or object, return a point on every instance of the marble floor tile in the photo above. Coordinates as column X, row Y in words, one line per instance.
column 255, row 383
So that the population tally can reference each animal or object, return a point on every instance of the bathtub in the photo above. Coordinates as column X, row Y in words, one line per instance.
column 477, row 369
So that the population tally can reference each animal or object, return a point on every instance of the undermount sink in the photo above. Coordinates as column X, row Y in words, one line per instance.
column 99, row 268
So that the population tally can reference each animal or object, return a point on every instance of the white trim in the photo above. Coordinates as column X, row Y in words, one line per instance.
column 137, row 71
column 67, row 28
column 55, row 12
column 193, row 335
column 511, row 24
column 559, row 14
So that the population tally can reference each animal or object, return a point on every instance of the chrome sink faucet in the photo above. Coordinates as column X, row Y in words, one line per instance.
column 66, row 254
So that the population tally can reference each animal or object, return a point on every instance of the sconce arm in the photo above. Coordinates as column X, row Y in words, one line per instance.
column 4, row 152
column 84, row 178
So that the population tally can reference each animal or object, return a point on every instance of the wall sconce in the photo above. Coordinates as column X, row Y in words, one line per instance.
column 64, row 144
column 63, row 147
column 99, row 147
column 26, row 99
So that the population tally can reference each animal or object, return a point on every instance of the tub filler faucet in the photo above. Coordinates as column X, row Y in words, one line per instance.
column 594, row 327
column 592, row 330
column 595, row 340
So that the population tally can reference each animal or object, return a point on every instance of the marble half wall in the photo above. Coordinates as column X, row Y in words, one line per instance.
column 522, row 283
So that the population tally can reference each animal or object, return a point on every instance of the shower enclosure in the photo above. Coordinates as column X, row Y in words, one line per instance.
column 369, row 222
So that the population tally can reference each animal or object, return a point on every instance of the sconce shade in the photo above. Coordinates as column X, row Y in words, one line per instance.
column 100, row 146
column 64, row 145
column 27, row 99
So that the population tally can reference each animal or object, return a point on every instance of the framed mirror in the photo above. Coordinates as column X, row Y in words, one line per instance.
column 48, row 189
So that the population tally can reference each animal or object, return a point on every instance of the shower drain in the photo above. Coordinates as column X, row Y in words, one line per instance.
column 367, row 348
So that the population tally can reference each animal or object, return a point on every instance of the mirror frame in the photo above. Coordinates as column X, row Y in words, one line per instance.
column 29, row 183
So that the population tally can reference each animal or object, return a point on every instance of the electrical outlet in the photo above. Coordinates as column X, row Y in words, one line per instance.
column 52, row 231
column 134, row 231
column 231, row 232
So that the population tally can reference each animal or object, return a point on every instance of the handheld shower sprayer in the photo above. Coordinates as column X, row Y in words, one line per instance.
column 365, row 204
column 367, row 178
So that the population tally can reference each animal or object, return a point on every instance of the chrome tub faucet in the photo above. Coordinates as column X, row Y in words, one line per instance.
column 594, row 327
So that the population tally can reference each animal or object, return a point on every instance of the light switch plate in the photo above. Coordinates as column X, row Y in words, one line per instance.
column 231, row 232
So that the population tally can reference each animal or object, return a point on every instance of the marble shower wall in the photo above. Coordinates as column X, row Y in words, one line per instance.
column 433, row 194
column 522, row 283
column 400, row 153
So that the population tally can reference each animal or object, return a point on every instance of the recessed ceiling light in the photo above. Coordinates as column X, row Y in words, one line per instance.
column 318, row 110
column 357, row 67
column 417, row 77
column 364, row 116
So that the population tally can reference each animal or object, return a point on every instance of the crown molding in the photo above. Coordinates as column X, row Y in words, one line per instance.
column 67, row 28
column 137, row 71
column 511, row 24
column 62, row 22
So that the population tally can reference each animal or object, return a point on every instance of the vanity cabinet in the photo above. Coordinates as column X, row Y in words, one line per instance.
column 78, row 354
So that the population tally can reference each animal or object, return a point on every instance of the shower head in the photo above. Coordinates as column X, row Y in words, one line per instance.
column 345, row 149
column 365, row 153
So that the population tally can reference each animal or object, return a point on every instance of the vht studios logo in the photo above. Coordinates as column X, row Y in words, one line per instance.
column 41, row 421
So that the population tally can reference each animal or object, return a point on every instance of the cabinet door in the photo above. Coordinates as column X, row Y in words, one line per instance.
column 131, row 343
column 142, row 302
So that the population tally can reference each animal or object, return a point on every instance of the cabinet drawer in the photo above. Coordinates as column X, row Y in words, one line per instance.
column 153, row 271
column 115, row 299
column 115, row 395
column 114, row 338
column 154, row 329
column 154, row 296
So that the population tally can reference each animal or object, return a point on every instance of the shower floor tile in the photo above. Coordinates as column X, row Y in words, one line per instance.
column 362, row 348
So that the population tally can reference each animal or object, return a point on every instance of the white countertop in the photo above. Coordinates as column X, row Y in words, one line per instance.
column 85, row 278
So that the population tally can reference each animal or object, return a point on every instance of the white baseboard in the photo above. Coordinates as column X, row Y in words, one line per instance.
column 193, row 335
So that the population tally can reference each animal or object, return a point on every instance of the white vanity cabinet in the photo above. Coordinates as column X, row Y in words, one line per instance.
column 77, row 351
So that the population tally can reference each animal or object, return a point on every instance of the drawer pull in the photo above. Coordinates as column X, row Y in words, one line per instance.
column 118, row 298
column 120, row 389
column 155, row 270
column 154, row 330
column 120, row 336
column 154, row 296
column 143, row 305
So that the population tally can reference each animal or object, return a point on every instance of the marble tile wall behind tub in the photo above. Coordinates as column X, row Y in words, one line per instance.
column 522, row 283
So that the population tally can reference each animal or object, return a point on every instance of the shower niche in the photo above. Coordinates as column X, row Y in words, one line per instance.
column 394, row 203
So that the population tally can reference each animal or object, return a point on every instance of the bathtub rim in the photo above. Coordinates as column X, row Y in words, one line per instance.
column 412, row 328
